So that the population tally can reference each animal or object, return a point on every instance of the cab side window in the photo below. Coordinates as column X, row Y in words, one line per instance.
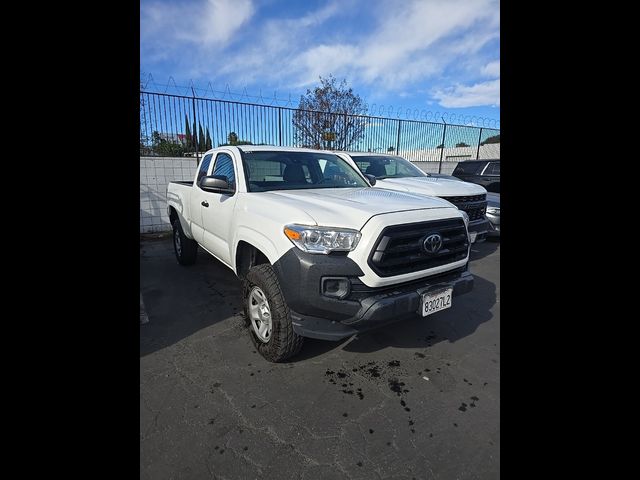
column 204, row 166
column 224, row 166
column 493, row 169
column 363, row 165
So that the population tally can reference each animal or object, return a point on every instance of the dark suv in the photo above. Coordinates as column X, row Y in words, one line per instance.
column 482, row 172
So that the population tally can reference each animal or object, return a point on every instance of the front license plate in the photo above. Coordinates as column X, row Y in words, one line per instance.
column 472, row 236
column 433, row 302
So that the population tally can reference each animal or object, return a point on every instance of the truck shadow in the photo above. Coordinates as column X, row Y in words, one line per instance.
column 483, row 249
column 463, row 319
column 181, row 302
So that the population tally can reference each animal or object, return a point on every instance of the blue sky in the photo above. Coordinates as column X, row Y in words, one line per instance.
column 437, row 55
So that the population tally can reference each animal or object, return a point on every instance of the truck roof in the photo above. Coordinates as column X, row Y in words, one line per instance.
column 369, row 154
column 272, row 148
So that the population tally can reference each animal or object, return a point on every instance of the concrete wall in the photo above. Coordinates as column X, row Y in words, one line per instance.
column 155, row 175
column 452, row 154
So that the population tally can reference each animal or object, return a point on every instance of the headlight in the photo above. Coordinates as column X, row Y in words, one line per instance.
column 465, row 217
column 322, row 239
column 493, row 210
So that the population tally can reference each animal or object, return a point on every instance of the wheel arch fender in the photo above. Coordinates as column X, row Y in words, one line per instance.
column 267, row 246
column 173, row 214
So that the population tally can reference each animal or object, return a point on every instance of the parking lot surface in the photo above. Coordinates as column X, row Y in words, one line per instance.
column 417, row 399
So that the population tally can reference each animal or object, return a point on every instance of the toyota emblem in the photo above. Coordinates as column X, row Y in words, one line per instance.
column 433, row 243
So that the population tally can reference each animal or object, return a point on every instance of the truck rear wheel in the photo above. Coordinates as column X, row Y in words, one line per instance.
column 267, row 315
column 185, row 248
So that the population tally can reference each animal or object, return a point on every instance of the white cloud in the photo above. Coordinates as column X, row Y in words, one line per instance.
column 412, row 40
column 492, row 69
column 459, row 96
column 412, row 36
column 322, row 60
column 317, row 17
column 201, row 23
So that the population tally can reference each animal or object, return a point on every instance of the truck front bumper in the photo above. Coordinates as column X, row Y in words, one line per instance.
column 481, row 227
column 364, row 308
column 494, row 222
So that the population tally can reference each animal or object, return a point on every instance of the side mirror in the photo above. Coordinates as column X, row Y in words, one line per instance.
column 216, row 184
column 371, row 178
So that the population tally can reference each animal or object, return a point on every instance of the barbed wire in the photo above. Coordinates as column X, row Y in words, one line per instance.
column 149, row 84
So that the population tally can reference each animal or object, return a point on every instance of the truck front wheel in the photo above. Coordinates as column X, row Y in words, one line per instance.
column 267, row 315
column 185, row 248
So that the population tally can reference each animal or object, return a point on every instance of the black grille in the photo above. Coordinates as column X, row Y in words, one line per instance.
column 475, row 205
column 399, row 248
column 359, row 290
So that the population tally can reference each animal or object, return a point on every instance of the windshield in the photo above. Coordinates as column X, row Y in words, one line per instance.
column 387, row 167
column 282, row 170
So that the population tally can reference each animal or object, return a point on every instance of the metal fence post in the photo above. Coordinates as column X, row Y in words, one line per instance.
column 478, row 151
column 346, row 130
column 444, row 132
column 398, row 139
column 280, row 126
column 194, row 135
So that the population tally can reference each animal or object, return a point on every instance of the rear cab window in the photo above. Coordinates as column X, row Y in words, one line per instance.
column 493, row 169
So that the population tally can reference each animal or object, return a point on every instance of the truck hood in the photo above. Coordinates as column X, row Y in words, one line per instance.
column 353, row 207
column 438, row 187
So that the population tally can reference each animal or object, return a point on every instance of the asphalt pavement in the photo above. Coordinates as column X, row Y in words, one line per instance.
column 418, row 399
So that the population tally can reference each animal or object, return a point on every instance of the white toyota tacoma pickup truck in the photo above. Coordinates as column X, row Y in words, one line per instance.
column 396, row 173
column 320, row 253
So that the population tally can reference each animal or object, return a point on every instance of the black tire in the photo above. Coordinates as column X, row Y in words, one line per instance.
column 187, row 251
column 283, row 342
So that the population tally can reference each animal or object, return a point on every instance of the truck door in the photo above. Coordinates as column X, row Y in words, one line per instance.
column 196, row 198
column 217, row 211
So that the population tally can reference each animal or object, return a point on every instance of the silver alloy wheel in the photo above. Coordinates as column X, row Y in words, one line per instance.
column 176, row 241
column 260, row 314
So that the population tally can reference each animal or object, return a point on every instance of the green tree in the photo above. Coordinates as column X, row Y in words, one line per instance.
column 462, row 144
column 202, row 142
column 165, row 148
column 327, row 116
column 194, row 137
column 232, row 139
column 492, row 139
column 209, row 146
column 187, row 135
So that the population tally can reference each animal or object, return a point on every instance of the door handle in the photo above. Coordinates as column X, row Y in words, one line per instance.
column 204, row 203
